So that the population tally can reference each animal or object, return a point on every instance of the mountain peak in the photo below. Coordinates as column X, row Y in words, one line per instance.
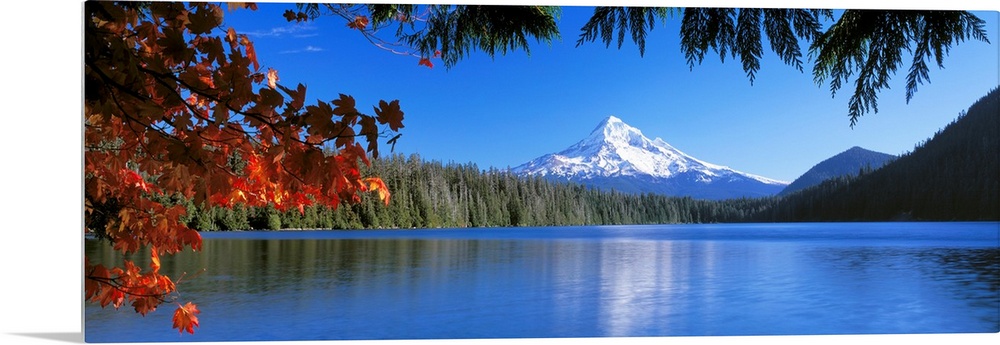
column 615, row 131
column 612, row 118
column 846, row 163
column 611, row 123
column 619, row 152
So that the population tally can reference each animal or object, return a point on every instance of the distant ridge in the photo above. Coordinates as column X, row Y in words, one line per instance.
column 618, row 156
column 846, row 163
column 953, row 176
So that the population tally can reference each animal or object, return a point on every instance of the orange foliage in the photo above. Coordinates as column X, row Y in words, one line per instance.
column 359, row 23
column 185, row 319
column 168, row 109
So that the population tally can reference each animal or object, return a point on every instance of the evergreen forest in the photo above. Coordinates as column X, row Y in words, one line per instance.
column 952, row 176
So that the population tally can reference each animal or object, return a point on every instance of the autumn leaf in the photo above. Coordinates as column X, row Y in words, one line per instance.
column 154, row 260
column 231, row 37
column 112, row 296
column 377, row 185
column 204, row 20
column 298, row 96
column 237, row 5
column 359, row 23
column 390, row 113
column 289, row 15
column 95, row 275
column 145, row 305
column 185, row 318
column 172, row 114
column 370, row 130
column 425, row 62
column 173, row 45
column 345, row 105
column 134, row 179
column 251, row 53
column 272, row 78
column 270, row 98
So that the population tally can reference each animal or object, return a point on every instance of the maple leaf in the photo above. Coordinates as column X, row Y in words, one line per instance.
column 192, row 238
column 112, row 296
column 377, row 185
column 174, row 46
column 231, row 37
column 270, row 98
column 133, row 178
column 92, row 288
column 345, row 105
column 390, row 113
column 144, row 305
column 237, row 5
column 185, row 318
column 194, row 106
column 204, row 20
column 425, row 62
column 272, row 78
column 359, row 22
column 298, row 96
column 370, row 130
column 251, row 53
column 154, row 263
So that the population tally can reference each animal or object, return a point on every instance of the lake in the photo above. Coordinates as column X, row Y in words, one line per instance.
column 607, row 281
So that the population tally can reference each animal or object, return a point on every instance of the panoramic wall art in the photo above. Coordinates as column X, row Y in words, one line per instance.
column 284, row 172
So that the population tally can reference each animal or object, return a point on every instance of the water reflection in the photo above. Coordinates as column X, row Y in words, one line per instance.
column 956, row 289
column 386, row 288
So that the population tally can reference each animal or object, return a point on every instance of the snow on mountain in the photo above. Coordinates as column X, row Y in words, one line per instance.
column 616, row 155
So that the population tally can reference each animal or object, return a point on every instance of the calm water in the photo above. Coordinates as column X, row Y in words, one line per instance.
column 758, row 279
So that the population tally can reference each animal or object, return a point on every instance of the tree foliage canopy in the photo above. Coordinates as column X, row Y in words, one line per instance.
column 868, row 45
column 449, row 32
column 871, row 45
column 173, row 108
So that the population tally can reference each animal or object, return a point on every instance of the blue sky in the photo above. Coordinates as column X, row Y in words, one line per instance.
column 493, row 112
column 505, row 111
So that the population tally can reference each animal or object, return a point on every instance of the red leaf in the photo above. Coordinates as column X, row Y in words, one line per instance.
column 360, row 23
column 154, row 263
column 185, row 318
column 289, row 15
column 389, row 113
column 133, row 178
column 251, row 53
column 345, row 105
column 272, row 78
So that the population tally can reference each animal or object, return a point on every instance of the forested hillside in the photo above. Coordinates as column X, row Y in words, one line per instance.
column 434, row 194
column 952, row 176
column 853, row 161
column 955, row 175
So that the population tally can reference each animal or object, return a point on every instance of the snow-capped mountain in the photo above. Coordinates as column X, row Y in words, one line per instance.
column 616, row 155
